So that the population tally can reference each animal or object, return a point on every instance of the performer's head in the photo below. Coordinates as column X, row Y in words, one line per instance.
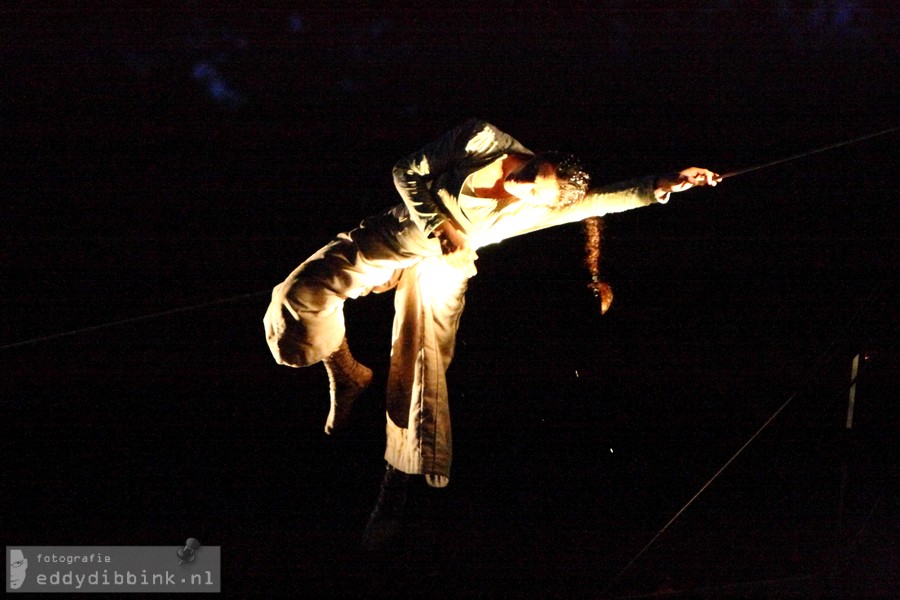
column 550, row 178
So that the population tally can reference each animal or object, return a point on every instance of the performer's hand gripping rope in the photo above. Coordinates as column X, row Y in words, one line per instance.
column 680, row 182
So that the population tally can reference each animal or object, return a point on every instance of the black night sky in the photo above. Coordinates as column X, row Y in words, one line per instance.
column 163, row 168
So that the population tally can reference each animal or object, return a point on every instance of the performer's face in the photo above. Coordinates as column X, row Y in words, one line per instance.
column 543, row 191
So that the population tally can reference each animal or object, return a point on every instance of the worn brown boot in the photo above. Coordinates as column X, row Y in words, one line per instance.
column 348, row 379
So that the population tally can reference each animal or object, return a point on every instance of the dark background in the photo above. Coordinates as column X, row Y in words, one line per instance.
column 163, row 168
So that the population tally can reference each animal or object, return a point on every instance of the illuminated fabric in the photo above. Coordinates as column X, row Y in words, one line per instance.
column 305, row 322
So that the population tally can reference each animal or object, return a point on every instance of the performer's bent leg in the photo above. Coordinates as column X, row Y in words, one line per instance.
column 429, row 302
column 305, row 320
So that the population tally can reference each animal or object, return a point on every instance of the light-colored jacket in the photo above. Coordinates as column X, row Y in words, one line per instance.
column 430, row 181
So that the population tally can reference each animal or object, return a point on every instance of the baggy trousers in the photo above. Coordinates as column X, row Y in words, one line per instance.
column 305, row 323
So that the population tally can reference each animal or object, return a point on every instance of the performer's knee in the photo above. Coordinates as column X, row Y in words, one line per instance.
column 284, row 342
column 289, row 337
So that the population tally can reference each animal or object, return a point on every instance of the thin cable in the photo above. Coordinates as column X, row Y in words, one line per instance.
column 131, row 320
column 243, row 296
column 809, row 153
column 872, row 298
column 702, row 489
column 718, row 588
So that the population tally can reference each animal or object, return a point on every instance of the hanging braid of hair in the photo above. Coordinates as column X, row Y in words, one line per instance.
column 574, row 182
column 593, row 232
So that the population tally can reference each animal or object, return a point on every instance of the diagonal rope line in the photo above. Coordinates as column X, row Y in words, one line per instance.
column 810, row 152
column 702, row 489
column 131, row 320
column 243, row 296
column 870, row 301
column 718, row 588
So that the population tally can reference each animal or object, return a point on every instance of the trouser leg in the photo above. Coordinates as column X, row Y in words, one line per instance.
column 428, row 304
column 305, row 319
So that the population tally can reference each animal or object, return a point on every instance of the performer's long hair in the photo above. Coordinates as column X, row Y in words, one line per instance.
column 593, row 234
column 574, row 182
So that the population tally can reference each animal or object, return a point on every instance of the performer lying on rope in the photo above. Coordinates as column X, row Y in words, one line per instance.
column 471, row 187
